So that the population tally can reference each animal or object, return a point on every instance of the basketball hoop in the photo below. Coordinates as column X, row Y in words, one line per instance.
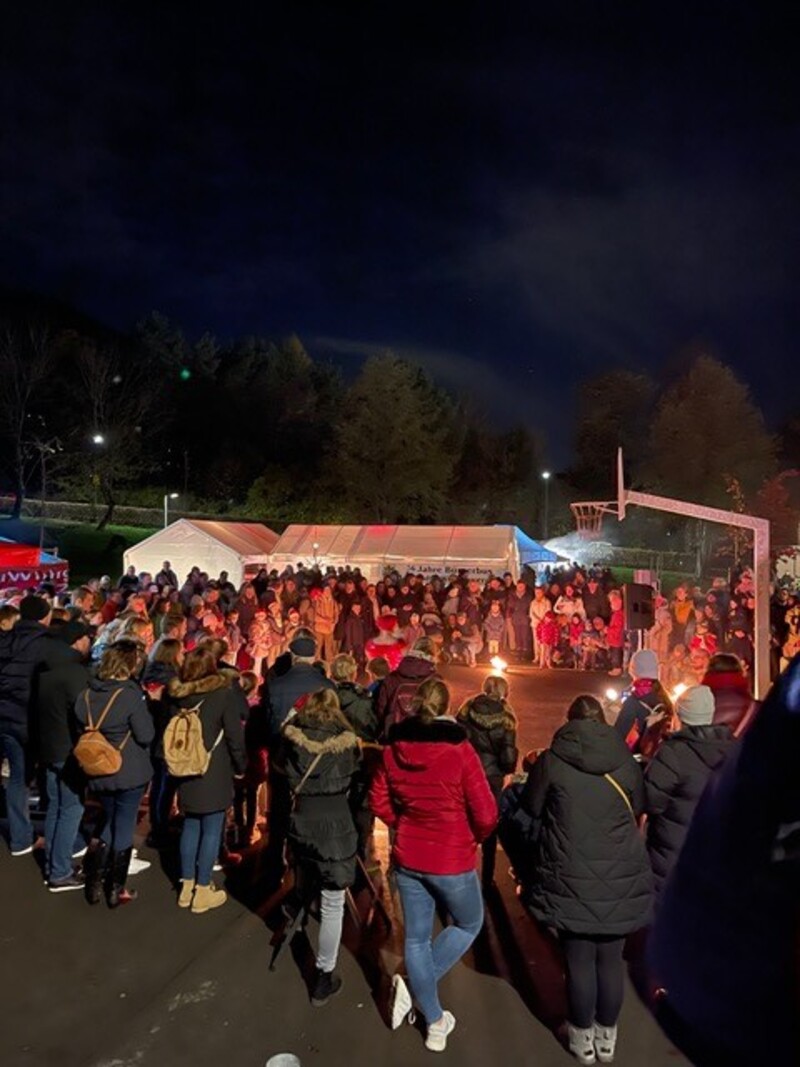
column 589, row 517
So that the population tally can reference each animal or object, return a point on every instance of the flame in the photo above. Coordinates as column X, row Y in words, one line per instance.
column 679, row 690
column 612, row 694
column 498, row 664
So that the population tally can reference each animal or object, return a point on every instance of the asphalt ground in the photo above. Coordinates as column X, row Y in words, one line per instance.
column 150, row 984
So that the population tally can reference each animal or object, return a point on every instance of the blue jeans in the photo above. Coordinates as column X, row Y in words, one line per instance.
column 20, row 831
column 162, row 793
column 200, row 840
column 120, row 808
column 429, row 960
column 61, row 823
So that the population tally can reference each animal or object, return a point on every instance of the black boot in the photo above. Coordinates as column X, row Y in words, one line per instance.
column 116, row 893
column 326, row 985
column 94, row 868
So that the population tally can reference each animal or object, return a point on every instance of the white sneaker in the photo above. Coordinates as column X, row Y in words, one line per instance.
column 436, row 1041
column 605, row 1042
column 136, row 865
column 22, row 851
column 400, row 1003
column 581, row 1043
column 80, row 853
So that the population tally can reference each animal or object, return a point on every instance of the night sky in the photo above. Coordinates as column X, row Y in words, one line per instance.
column 516, row 199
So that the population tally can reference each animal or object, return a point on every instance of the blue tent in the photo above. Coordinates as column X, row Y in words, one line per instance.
column 531, row 552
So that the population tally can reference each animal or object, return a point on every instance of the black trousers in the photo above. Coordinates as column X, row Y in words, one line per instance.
column 595, row 979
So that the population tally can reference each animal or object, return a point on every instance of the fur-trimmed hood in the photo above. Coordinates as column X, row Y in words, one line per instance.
column 224, row 679
column 328, row 742
column 487, row 714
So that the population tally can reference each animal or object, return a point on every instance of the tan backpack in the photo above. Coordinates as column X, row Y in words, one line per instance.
column 185, row 753
column 93, row 751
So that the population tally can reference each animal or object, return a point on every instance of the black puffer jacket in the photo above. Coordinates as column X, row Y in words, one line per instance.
column 674, row 782
column 492, row 732
column 322, row 832
column 219, row 712
column 127, row 717
column 25, row 651
column 57, row 691
column 592, row 874
column 357, row 707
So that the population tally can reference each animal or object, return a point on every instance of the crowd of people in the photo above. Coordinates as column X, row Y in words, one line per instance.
column 188, row 697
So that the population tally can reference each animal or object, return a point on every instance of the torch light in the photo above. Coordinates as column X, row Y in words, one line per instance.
column 499, row 665
column 679, row 690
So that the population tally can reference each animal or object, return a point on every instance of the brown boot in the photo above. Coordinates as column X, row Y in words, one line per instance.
column 186, row 893
column 207, row 897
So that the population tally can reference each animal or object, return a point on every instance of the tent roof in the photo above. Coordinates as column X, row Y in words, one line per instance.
column 246, row 539
column 451, row 545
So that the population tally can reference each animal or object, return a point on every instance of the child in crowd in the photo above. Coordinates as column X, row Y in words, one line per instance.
column 703, row 639
column 414, row 630
column 494, row 628
column 547, row 634
column 354, row 635
column 233, row 637
column 677, row 668
column 740, row 642
column 576, row 629
column 259, row 642
column 245, row 798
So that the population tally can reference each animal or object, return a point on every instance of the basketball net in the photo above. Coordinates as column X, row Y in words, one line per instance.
column 589, row 517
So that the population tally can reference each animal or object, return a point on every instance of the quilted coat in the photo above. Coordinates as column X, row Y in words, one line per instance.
column 432, row 790
column 322, row 832
column 492, row 732
column 674, row 782
column 592, row 875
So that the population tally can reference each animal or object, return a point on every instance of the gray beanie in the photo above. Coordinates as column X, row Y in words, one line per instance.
column 695, row 706
column 644, row 664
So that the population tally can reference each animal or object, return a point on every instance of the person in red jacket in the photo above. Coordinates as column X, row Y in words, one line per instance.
column 432, row 791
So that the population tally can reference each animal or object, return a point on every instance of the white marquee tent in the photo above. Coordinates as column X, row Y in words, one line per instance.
column 480, row 550
column 239, row 548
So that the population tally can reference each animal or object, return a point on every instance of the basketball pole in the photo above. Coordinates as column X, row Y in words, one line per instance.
column 761, row 548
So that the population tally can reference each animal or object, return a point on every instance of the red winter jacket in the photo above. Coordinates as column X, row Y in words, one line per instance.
column 432, row 789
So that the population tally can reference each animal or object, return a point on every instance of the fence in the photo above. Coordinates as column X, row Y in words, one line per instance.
column 124, row 514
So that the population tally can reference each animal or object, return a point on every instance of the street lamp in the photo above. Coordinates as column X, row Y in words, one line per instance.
column 167, row 498
column 98, row 439
column 546, row 480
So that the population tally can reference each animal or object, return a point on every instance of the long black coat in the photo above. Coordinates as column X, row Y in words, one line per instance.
column 322, row 832
column 57, row 691
column 674, row 782
column 592, row 875
column 128, row 715
column 219, row 712
column 492, row 732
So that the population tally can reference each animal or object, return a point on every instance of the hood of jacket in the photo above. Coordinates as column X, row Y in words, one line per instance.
column 488, row 714
column 23, row 635
column 202, row 686
column 592, row 747
column 418, row 745
column 709, row 743
column 317, row 739
column 106, row 686
column 416, row 666
column 350, row 691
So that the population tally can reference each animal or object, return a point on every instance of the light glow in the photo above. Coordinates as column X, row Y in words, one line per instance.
column 498, row 664
column 612, row 694
column 679, row 690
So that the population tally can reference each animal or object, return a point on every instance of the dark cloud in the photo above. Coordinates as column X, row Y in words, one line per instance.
column 519, row 199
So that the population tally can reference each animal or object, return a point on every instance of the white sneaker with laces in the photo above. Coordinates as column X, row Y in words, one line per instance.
column 400, row 1003
column 438, row 1033
column 581, row 1043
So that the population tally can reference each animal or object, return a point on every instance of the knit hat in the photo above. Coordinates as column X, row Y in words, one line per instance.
column 304, row 647
column 73, row 631
column 695, row 706
column 644, row 664
column 33, row 608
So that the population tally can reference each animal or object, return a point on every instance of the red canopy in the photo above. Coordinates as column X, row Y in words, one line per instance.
column 13, row 555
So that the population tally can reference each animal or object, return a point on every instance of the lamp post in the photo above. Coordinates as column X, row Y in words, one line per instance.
column 546, row 480
column 167, row 498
